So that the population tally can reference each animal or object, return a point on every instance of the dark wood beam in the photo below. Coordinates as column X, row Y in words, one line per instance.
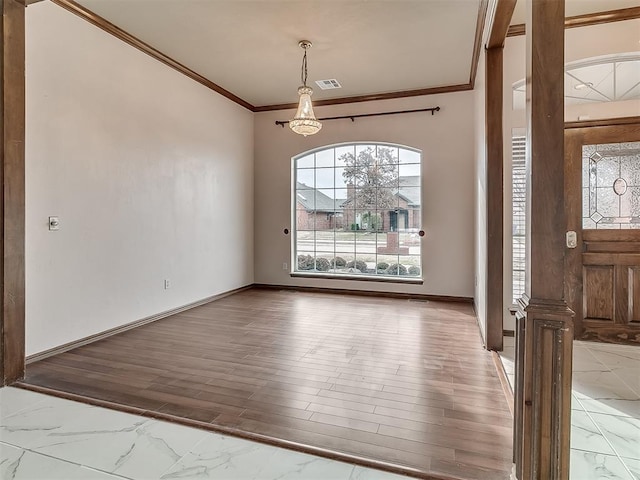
column 545, row 149
column 12, row 126
column 495, row 172
column 605, row 122
column 548, row 325
column 477, row 44
column 501, row 20
column 587, row 20
column 598, row 18
column 495, row 193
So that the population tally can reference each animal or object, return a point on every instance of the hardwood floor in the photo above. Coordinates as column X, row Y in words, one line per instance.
column 399, row 382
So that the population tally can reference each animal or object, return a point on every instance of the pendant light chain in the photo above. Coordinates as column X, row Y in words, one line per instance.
column 303, row 73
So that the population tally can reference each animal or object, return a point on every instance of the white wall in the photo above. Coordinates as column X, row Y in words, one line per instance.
column 150, row 173
column 446, row 140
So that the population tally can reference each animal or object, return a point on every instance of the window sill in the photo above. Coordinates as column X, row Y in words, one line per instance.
column 363, row 278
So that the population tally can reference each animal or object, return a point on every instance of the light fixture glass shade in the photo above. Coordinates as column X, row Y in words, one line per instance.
column 305, row 122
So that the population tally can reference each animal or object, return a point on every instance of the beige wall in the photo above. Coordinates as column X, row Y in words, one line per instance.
column 447, row 142
column 150, row 173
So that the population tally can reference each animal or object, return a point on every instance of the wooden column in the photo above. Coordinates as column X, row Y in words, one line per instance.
column 495, row 170
column 546, row 320
column 12, row 126
column 495, row 196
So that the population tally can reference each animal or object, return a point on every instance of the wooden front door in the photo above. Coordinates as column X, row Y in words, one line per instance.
column 602, row 200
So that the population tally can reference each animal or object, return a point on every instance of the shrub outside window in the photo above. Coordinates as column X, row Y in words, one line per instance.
column 357, row 211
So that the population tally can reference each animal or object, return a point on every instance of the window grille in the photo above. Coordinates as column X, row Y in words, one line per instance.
column 518, row 188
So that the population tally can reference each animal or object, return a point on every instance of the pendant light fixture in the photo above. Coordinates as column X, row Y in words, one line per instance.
column 305, row 122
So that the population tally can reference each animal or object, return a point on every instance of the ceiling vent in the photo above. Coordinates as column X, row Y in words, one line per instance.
column 328, row 84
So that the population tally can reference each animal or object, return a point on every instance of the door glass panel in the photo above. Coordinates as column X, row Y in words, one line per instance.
column 611, row 186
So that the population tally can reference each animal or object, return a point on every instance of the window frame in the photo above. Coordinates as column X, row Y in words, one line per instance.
column 293, row 272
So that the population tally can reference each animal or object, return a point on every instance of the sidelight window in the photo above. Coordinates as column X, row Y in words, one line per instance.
column 518, row 204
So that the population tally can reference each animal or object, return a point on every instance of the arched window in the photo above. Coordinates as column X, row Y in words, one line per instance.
column 357, row 211
column 609, row 78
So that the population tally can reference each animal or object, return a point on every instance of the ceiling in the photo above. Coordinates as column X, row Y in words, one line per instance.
column 372, row 47
column 250, row 47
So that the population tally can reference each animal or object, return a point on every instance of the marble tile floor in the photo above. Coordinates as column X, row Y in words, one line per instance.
column 47, row 438
column 605, row 415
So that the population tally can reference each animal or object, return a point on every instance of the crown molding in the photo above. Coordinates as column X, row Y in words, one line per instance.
column 135, row 42
column 587, row 20
column 370, row 98
column 604, row 122
column 105, row 25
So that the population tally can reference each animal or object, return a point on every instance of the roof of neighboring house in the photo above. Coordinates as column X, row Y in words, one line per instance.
column 409, row 189
column 314, row 200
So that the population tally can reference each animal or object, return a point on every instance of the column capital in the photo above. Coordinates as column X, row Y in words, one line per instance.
column 548, row 307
